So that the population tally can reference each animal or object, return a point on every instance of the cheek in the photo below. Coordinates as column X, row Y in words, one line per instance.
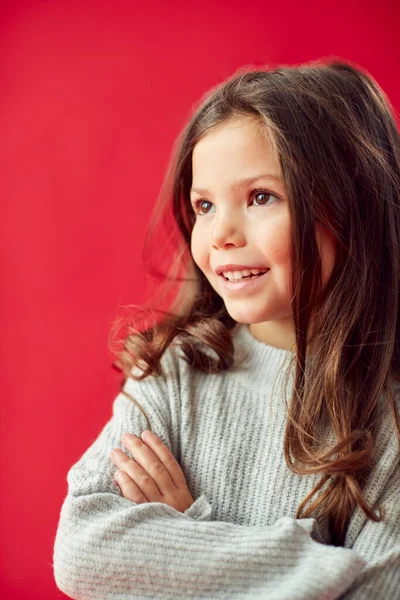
column 278, row 245
column 197, row 248
column 279, row 248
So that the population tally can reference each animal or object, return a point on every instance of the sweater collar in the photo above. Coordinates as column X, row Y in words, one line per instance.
column 257, row 363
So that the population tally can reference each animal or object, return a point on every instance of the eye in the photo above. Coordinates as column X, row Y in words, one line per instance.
column 198, row 205
column 256, row 193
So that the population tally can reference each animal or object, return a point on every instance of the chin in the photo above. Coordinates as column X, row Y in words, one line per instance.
column 247, row 317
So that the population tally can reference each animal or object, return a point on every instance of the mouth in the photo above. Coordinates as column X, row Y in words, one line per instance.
column 249, row 282
column 244, row 277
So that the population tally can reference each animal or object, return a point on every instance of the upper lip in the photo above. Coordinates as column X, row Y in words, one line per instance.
column 231, row 267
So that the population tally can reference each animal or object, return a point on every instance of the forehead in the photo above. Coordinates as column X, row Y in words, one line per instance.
column 236, row 130
column 237, row 148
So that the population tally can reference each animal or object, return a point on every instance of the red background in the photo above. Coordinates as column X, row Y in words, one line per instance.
column 93, row 95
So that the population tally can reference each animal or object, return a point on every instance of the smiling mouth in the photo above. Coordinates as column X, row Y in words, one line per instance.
column 245, row 277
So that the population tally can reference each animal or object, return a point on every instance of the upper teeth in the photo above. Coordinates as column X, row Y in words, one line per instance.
column 235, row 275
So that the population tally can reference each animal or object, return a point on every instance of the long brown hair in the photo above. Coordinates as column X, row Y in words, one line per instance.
column 334, row 131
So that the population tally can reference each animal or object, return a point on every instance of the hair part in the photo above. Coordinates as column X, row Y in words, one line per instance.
column 333, row 129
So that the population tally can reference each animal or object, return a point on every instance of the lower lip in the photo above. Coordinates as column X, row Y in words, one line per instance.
column 246, row 284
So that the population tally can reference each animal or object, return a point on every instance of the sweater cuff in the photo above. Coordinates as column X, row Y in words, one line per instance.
column 200, row 509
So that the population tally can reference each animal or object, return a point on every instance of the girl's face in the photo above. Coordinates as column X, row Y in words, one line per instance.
column 246, row 223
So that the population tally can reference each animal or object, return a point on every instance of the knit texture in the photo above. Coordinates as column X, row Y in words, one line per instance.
column 240, row 538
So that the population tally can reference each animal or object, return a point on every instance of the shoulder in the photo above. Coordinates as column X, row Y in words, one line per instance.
column 382, row 487
column 387, row 437
column 172, row 363
column 387, row 456
column 160, row 392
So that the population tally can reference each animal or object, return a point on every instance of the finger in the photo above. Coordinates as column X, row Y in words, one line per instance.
column 129, row 489
column 149, row 461
column 166, row 457
column 138, row 475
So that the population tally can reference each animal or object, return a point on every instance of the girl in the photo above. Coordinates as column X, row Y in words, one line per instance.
column 272, row 385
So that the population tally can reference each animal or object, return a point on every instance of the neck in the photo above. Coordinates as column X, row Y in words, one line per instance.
column 278, row 333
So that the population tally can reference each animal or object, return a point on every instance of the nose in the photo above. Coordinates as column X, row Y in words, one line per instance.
column 226, row 231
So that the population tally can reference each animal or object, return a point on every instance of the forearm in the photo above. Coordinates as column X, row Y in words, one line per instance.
column 107, row 547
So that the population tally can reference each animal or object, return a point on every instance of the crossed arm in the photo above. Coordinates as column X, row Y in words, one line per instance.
column 110, row 546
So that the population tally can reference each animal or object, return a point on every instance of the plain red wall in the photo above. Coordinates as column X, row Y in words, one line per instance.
column 93, row 95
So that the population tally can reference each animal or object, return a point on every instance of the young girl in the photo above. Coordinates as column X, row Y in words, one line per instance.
column 272, row 385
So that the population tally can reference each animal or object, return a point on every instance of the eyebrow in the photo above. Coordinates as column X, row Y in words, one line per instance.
column 241, row 183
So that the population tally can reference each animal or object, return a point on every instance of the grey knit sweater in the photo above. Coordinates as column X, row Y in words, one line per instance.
column 240, row 538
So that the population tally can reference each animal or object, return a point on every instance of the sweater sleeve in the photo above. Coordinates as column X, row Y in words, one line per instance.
column 379, row 545
column 108, row 547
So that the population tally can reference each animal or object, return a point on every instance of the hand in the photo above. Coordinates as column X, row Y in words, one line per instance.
column 154, row 476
